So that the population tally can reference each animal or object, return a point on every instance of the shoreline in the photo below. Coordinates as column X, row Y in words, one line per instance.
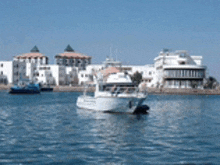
column 183, row 91
column 156, row 91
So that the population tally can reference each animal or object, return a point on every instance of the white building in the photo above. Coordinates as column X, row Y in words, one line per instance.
column 50, row 74
column 6, row 72
column 71, row 75
column 73, row 59
column 13, row 71
column 19, row 71
column 179, row 70
column 33, row 57
column 25, row 65
column 147, row 71
column 85, row 77
column 170, row 69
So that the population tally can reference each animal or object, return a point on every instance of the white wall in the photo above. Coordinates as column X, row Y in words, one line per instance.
column 178, row 60
column 6, row 69
column 52, row 74
column 84, row 77
column 197, row 59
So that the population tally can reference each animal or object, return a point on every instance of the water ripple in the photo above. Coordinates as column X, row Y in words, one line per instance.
column 49, row 129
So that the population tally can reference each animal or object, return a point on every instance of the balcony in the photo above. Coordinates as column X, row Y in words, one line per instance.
column 183, row 76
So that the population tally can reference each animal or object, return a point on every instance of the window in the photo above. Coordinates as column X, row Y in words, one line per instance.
column 16, row 73
column 182, row 55
column 201, row 73
column 170, row 83
column 1, row 65
column 1, row 72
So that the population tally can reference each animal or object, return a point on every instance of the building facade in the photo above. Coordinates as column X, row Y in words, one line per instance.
column 73, row 59
column 6, row 72
column 33, row 57
column 24, row 65
column 179, row 70
column 50, row 74
column 170, row 69
column 147, row 71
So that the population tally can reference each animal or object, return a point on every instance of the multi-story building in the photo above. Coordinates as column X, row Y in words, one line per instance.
column 33, row 57
column 19, row 70
column 87, row 76
column 147, row 71
column 50, row 74
column 179, row 70
column 24, row 65
column 73, row 59
column 170, row 69
column 13, row 71
column 6, row 73
column 72, row 75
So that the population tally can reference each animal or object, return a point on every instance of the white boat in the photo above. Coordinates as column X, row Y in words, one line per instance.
column 116, row 94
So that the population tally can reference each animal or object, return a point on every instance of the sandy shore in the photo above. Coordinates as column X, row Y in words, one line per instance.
column 150, row 90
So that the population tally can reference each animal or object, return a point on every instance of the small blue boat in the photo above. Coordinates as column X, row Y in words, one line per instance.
column 30, row 88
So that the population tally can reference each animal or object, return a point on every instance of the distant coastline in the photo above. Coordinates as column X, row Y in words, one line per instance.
column 150, row 90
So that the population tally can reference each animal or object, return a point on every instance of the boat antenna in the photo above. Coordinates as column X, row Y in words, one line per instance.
column 110, row 52
column 116, row 52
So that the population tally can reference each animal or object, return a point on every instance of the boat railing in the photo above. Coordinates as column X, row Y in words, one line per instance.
column 119, row 90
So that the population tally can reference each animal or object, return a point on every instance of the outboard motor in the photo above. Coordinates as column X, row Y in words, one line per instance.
column 142, row 109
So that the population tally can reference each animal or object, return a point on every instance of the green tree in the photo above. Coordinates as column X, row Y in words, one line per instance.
column 194, row 84
column 137, row 77
column 211, row 83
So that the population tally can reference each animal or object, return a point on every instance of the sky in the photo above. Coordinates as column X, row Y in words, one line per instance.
column 131, row 31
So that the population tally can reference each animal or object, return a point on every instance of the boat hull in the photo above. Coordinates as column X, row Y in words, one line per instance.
column 112, row 104
column 47, row 89
column 23, row 91
column 29, row 89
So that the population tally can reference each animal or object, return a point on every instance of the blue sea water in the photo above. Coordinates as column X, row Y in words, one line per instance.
column 49, row 129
